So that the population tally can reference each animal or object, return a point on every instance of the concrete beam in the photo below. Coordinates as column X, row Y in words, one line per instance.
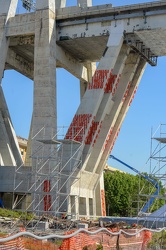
column 63, row 58
column 23, row 24
column 66, row 61
column 22, row 40
column 20, row 64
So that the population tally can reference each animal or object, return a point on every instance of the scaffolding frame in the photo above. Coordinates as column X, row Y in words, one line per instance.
column 52, row 176
column 158, row 153
column 157, row 158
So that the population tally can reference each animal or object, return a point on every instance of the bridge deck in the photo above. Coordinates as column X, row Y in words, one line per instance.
column 89, row 45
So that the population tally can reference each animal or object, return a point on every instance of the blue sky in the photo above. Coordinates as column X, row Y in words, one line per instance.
column 146, row 112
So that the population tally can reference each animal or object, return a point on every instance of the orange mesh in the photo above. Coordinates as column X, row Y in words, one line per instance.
column 82, row 240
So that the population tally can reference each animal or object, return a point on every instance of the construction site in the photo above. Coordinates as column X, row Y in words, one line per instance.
column 56, row 175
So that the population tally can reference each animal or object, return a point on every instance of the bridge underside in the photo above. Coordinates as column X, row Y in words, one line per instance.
column 66, row 172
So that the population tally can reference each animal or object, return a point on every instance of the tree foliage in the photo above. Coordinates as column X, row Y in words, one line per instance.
column 125, row 194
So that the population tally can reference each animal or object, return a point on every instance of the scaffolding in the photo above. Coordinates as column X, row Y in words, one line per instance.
column 46, row 186
column 157, row 161
column 158, row 153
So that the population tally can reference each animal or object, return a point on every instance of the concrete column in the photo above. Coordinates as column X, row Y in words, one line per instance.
column 60, row 4
column 9, row 150
column 100, row 197
column 44, row 111
column 91, row 207
column 87, row 207
column 44, row 107
column 8, row 7
column 73, row 206
column 82, row 206
column 51, row 5
column 84, row 3
column 77, row 207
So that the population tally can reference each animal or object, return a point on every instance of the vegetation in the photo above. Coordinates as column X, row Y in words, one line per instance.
column 93, row 247
column 123, row 194
column 16, row 214
column 158, row 241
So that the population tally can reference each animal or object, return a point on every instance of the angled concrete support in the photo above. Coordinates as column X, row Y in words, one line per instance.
column 90, row 116
column 91, row 67
column 126, row 102
column 9, row 150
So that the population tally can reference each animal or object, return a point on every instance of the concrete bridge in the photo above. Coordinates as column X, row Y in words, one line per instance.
column 65, row 173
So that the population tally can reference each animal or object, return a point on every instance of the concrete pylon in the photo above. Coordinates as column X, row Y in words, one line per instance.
column 51, row 4
column 101, row 112
column 9, row 150
column 126, row 102
column 89, row 115
column 60, row 4
column 44, row 107
column 84, row 3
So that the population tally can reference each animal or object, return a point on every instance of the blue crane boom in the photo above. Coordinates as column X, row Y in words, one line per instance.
column 153, row 182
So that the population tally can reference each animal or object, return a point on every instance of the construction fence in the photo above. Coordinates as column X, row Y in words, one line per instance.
column 79, row 240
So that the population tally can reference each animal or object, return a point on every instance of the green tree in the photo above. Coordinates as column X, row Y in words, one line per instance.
column 123, row 194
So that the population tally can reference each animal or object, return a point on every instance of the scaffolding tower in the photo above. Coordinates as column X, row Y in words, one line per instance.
column 158, row 153
column 46, row 186
column 157, row 161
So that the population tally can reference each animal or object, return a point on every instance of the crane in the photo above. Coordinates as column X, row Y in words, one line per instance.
column 150, row 180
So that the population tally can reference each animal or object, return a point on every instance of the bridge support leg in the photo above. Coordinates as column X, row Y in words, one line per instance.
column 91, row 67
column 90, row 116
column 9, row 150
column 60, row 4
column 84, row 3
column 44, row 107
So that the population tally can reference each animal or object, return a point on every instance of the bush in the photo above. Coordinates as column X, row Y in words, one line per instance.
column 158, row 241
column 16, row 214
